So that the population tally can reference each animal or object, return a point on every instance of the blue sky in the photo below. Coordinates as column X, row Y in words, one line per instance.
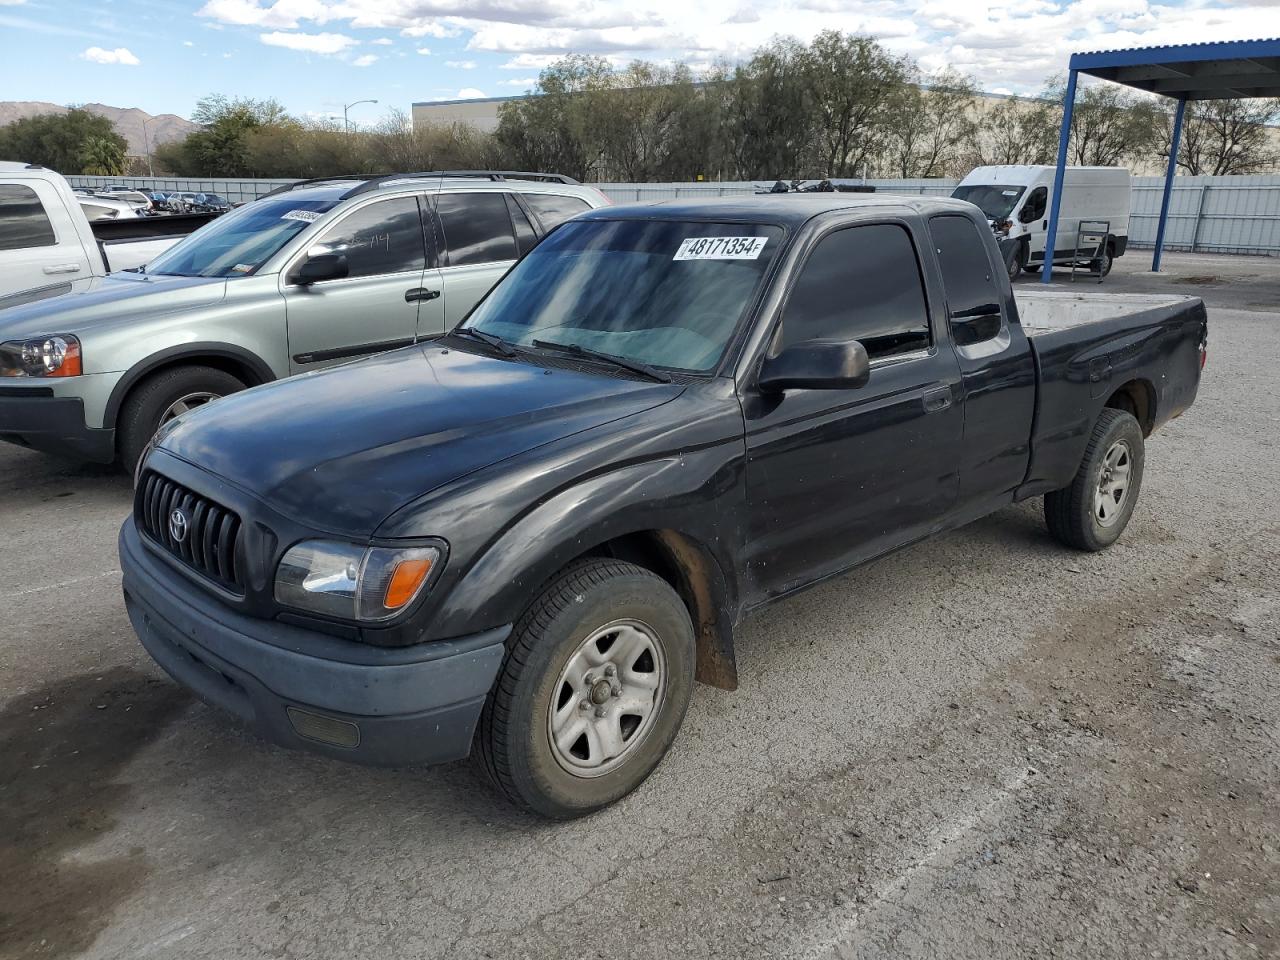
column 316, row 55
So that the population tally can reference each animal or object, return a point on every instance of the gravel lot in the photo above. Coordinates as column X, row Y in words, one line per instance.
column 980, row 747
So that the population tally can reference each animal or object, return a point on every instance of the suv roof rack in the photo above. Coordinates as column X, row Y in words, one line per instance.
column 370, row 182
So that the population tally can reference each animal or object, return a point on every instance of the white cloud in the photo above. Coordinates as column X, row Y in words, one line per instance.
column 460, row 64
column 120, row 55
column 367, row 60
column 430, row 28
column 424, row 51
column 187, row 43
column 12, row 3
column 382, row 42
column 282, row 13
column 530, row 61
column 523, row 83
column 990, row 39
column 325, row 43
column 470, row 93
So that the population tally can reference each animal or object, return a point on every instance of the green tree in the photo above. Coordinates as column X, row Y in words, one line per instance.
column 852, row 84
column 58, row 140
column 221, row 147
column 102, row 157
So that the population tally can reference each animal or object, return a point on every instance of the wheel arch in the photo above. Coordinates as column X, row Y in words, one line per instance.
column 695, row 574
column 1137, row 397
column 237, row 361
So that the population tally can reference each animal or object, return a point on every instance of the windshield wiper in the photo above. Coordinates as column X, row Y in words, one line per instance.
column 504, row 348
column 578, row 350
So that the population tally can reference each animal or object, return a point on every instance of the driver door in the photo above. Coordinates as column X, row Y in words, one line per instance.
column 838, row 476
column 378, row 305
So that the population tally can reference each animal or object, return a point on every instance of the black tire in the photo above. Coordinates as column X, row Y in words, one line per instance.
column 1017, row 261
column 1104, row 264
column 514, row 735
column 1071, row 512
column 147, row 402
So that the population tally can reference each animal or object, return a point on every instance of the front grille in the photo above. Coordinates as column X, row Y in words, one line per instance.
column 212, row 531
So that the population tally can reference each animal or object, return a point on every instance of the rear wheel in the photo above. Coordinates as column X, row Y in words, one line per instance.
column 1093, row 511
column 598, row 676
column 163, row 396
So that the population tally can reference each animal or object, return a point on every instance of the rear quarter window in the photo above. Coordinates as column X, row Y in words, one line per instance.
column 554, row 209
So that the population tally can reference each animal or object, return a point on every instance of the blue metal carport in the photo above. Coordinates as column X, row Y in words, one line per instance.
column 1192, row 71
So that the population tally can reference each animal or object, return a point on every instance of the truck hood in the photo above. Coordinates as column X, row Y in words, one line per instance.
column 113, row 298
column 340, row 450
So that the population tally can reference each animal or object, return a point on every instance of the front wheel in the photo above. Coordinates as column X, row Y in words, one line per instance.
column 598, row 676
column 163, row 396
column 1093, row 511
column 1017, row 261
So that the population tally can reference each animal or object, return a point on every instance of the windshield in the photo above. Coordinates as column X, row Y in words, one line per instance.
column 995, row 200
column 239, row 242
column 660, row 292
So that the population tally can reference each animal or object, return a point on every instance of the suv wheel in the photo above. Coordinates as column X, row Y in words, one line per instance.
column 598, row 676
column 163, row 396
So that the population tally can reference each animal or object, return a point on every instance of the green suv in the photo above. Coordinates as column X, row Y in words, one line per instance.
column 311, row 275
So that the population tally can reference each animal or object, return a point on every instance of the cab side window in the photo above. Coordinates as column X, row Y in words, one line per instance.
column 382, row 238
column 23, row 222
column 477, row 228
column 861, row 283
column 973, row 296
column 1034, row 208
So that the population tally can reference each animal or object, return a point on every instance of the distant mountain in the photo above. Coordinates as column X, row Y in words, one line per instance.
column 128, row 121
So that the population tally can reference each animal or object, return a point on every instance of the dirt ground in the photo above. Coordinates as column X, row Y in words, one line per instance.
column 981, row 747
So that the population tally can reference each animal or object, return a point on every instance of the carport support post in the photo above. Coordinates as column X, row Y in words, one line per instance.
column 1169, row 174
column 1064, row 138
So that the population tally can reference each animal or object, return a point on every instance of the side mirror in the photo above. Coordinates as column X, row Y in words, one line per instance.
column 817, row 365
column 324, row 266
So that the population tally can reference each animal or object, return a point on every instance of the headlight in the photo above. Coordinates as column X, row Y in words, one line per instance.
column 353, row 582
column 44, row 357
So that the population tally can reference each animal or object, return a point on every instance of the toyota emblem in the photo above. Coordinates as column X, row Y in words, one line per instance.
column 178, row 525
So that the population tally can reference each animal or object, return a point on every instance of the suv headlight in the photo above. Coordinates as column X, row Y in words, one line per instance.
column 57, row 356
column 370, row 584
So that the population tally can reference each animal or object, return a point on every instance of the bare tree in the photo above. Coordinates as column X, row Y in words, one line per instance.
column 1222, row 137
column 1014, row 130
column 1110, row 125
column 930, row 123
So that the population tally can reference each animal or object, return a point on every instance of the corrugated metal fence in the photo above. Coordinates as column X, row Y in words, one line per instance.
column 1210, row 214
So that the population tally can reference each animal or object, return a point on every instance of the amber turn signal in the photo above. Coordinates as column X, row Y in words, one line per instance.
column 406, row 579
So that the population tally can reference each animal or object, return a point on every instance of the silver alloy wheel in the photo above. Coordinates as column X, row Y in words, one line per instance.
column 187, row 403
column 1113, row 484
column 607, row 699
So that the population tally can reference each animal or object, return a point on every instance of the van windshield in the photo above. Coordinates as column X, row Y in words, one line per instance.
column 660, row 292
column 239, row 242
column 995, row 200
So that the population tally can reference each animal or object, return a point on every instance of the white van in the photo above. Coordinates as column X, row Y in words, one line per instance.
column 1016, row 200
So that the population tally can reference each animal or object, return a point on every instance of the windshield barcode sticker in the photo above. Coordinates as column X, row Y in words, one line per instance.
column 306, row 216
column 721, row 248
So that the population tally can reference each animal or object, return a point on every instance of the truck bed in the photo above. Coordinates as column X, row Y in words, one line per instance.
column 1051, row 311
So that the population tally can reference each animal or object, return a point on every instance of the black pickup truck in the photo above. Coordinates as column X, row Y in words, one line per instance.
column 531, row 536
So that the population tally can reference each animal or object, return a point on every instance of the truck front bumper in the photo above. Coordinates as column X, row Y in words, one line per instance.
column 304, row 689
column 33, row 417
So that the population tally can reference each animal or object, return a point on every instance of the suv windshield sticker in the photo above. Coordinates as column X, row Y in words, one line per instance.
column 306, row 216
column 721, row 248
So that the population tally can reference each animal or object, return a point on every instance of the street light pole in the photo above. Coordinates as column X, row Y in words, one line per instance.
column 346, row 124
column 146, row 144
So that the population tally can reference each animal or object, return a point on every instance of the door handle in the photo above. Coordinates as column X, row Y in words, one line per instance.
column 939, row 398
column 420, row 293
column 1044, row 224
column 62, row 268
